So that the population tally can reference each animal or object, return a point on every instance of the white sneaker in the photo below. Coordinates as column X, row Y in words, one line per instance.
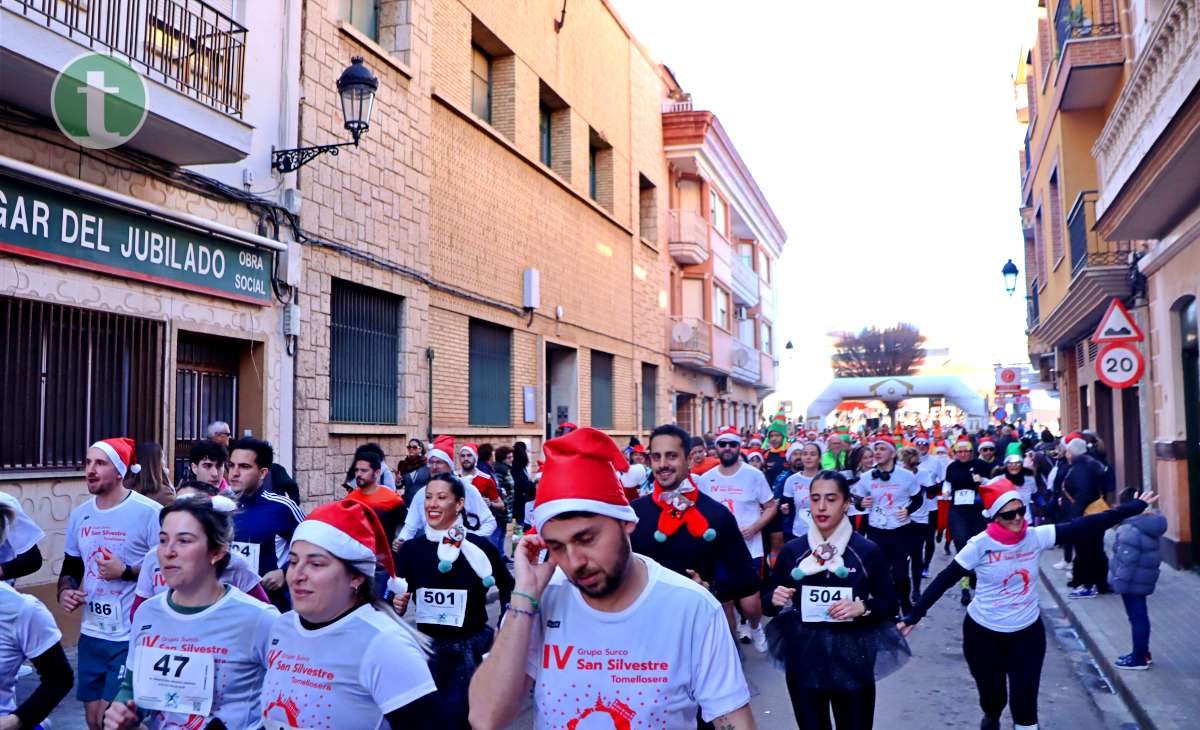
column 743, row 633
column 759, row 637
column 1062, row 565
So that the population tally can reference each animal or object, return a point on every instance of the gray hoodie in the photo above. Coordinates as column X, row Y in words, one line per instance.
column 1134, row 565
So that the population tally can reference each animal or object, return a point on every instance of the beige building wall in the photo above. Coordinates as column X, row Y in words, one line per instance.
column 498, row 210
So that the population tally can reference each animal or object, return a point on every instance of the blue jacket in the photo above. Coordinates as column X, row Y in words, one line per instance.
column 1134, row 565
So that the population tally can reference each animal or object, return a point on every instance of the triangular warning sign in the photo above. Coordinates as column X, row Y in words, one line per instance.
column 1117, row 326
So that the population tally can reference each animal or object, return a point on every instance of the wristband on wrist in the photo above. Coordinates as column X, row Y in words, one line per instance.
column 523, row 612
column 532, row 601
column 127, row 574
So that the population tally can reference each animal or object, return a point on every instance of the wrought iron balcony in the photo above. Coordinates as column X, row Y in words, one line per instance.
column 1088, row 249
column 1074, row 19
column 185, row 44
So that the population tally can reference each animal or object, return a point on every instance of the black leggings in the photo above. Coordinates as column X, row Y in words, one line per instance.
column 920, row 542
column 852, row 710
column 895, row 545
column 1007, row 668
column 964, row 525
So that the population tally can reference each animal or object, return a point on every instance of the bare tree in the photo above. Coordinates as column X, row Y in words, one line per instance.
column 895, row 350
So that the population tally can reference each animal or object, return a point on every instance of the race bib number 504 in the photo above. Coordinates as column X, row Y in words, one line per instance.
column 173, row 681
column 815, row 601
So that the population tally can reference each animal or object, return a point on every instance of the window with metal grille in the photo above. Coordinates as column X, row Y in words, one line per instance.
column 364, row 354
column 70, row 377
column 602, row 390
column 649, row 396
column 489, row 374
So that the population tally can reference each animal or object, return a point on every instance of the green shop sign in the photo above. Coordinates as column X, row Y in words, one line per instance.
column 46, row 224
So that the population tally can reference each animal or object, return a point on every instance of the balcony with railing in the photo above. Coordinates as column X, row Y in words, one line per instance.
column 744, row 283
column 1088, row 249
column 698, row 344
column 766, row 374
column 1090, row 54
column 1034, row 314
column 191, row 55
column 745, row 362
column 687, row 236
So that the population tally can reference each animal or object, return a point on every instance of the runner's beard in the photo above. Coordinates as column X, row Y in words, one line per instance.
column 728, row 459
column 613, row 578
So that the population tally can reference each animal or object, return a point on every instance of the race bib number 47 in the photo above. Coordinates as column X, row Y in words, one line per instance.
column 173, row 681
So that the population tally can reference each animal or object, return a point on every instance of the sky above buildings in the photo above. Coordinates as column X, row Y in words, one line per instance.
column 885, row 138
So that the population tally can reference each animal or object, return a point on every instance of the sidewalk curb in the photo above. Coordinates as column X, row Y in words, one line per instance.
column 1114, row 677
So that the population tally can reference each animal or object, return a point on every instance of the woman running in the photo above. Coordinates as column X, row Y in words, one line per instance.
column 795, row 491
column 835, row 637
column 237, row 573
column 28, row 633
column 342, row 659
column 448, row 575
column 1004, row 640
column 198, row 652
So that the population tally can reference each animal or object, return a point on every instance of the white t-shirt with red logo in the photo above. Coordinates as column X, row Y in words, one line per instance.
column 796, row 487
column 127, row 531
column 888, row 496
column 648, row 666
column 348, row 674
column 239, row 574
column 743, row 493
column 1006, row 595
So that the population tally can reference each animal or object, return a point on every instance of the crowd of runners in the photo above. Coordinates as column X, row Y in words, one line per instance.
column 634, row 581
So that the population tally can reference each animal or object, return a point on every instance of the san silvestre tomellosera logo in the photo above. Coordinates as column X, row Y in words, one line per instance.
column 99, row 101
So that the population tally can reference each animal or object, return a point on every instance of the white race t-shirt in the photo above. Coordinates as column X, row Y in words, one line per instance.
column 650, row 671
column 348, row 674
column 23, row 533
column 742, row 493
column 127, row 531
column 234, row 631
column 1006, row 596
column 888, row 497
column 238, row 574
column 27, row 630
column 926, row 477
column 796, row 487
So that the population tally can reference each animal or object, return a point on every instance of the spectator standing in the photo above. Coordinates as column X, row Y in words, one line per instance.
column 1133, row 573
column 522, row 483
column 1082, row 487
column 207, row 460
column 152, row 480
column 220, row 432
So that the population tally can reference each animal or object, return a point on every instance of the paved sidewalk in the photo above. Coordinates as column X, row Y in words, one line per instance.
column 1167, row 696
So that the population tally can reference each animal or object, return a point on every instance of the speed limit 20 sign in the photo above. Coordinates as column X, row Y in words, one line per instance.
column 1120, row 365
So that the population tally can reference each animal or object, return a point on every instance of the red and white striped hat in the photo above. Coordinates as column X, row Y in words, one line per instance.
column 120, row 452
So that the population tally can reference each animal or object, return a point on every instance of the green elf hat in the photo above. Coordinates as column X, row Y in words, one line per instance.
column 779, row 424
column 1013, row 448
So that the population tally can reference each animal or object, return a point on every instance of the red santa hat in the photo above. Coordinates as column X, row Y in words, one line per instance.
column 996, row 493
column 796, row 446
column 474, row 449
column 443, row 446
column 120, row 452
column 580, row 475
column 729, row 433
column 985, row 442
column 883, row 438
column 351, row 531
column 962, row 442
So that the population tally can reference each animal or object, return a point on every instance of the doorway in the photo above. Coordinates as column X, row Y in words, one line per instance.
column 206, row 390
column 1189, row 340
column 562, row 387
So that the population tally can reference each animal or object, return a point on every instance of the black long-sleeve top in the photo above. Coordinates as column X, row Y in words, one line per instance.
column 1064, row 533
column 22, row 565
column 961, row 475
column 418, row 565
column 56, row 679
column 869, row 577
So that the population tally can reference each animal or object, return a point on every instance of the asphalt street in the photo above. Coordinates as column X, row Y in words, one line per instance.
column 934, row 690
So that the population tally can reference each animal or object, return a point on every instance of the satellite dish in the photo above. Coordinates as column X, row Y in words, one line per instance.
column 740, row 357
column 682, row 332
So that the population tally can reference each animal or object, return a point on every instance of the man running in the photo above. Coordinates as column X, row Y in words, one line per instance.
column 265, row 521
column 604, row 637
column 107, row 537
column 207, row 460
column 687, row 531
column 963, row 477
column 745, row 492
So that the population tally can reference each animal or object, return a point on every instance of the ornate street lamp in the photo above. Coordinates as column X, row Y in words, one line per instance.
column 1010, row 272
column 356, row 87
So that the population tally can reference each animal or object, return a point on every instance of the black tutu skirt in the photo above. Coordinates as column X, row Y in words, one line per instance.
column 835, row 657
